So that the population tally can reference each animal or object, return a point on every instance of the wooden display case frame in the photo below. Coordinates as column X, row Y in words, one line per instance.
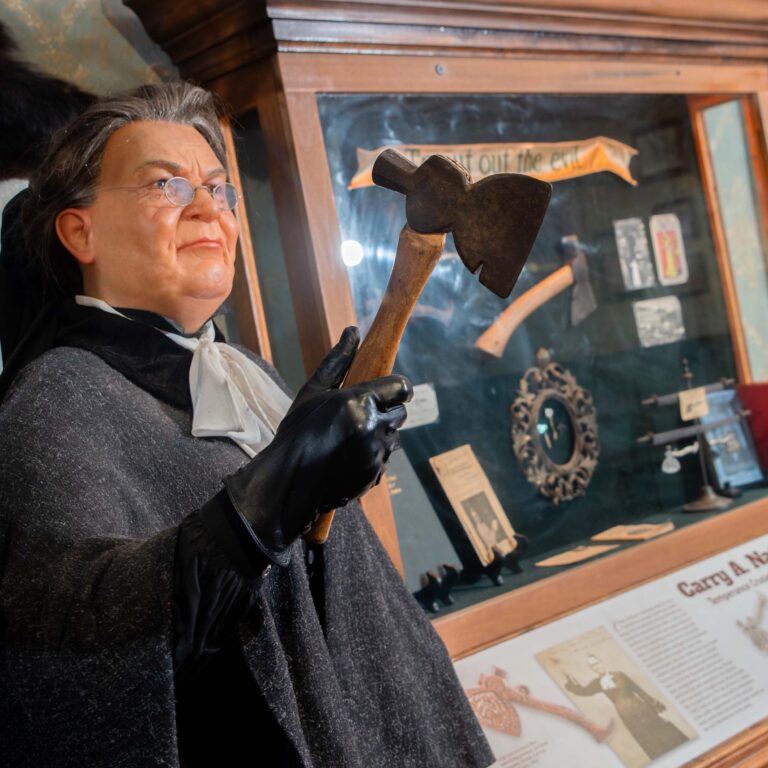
column 276, row 57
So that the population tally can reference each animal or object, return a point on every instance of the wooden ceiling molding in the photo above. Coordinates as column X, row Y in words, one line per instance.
column 208, row 38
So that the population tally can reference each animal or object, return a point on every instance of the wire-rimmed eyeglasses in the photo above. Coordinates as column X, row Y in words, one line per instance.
column 181, row 192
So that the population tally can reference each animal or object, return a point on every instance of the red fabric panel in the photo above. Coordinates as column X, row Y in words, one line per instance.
column 754, row 397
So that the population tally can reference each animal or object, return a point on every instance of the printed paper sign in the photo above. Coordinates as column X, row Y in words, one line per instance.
column 668, row 249
column 553, row 161
column 657, row 675
column 475, row 503
column 693, row 403
column 423, row 408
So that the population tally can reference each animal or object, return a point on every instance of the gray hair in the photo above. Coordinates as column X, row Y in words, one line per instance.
column 69, row 174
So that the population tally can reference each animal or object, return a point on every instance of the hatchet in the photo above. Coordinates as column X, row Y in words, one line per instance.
column 574, row 273
column 494, row 223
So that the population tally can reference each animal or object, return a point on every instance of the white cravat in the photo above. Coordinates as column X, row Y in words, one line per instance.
column 231, row 396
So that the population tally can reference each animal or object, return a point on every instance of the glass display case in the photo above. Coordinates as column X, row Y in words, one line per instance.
column 646, row 305
column 647, row 279
column 649, row 274
column 650, row 120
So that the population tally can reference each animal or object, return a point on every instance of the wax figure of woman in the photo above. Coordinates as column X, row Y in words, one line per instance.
column 159, row 607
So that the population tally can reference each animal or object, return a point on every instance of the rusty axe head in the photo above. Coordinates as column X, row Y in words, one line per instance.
column 582, row 297
column 494, row 222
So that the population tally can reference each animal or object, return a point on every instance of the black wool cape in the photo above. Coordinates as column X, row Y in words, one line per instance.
column 96, row 474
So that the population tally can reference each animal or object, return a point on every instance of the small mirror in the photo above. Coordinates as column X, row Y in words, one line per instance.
column 555, row 426
column 554, row 430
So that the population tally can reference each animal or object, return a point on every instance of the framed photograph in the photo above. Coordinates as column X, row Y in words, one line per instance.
column 733, row 456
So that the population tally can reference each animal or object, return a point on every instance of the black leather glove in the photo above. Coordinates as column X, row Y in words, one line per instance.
column 331, row 447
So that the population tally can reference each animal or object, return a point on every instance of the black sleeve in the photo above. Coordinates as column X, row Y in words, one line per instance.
column 218, row 571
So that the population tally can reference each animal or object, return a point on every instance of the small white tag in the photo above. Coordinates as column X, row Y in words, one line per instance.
column 423, row 408
column 693, row 403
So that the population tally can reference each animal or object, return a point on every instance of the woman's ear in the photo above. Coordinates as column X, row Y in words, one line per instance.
column 73, row 226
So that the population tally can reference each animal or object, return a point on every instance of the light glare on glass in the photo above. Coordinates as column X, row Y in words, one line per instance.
column 351, row 253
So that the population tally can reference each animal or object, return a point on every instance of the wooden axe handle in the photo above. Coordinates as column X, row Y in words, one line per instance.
column 416, row 257
column 494, row 339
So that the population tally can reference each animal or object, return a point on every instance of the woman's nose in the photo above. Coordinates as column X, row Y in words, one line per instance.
column 203, row 204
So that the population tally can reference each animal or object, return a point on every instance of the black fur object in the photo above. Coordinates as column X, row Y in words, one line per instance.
column 32, row 106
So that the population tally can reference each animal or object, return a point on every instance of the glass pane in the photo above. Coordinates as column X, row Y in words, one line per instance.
column 653, row 274
column 268, row 249
column 743, row 229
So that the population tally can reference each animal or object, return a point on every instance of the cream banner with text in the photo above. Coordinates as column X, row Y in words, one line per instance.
column 546, row 161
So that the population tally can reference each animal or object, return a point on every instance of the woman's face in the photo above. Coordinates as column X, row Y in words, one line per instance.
column 146, row 253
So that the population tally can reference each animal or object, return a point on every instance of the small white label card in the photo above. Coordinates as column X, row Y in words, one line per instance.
column 423, row 408
column 693, row 403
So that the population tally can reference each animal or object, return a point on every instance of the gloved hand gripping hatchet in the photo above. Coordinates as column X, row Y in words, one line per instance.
column 494, row 224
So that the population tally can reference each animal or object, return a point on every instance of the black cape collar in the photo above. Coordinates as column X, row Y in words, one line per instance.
column 136, row 347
